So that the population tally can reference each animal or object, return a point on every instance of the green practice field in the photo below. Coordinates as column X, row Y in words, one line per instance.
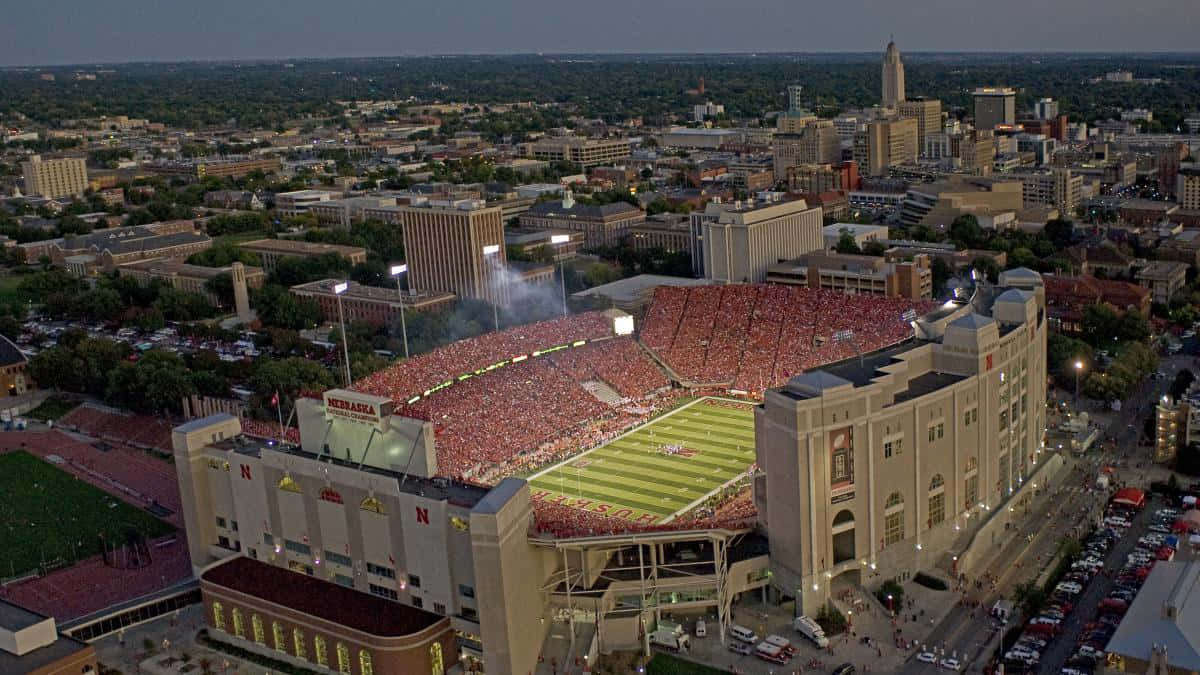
column 633, row 473
column 48, row 514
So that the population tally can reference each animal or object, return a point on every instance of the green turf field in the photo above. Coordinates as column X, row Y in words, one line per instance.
column 631, row 473
column 47, row 513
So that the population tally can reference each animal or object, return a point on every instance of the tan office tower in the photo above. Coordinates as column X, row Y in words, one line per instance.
column 994, row 106
column 445, row 251
column 815, row 142
column 893, row 77
column 885, row 143
column 928, row 114
column 53, row 178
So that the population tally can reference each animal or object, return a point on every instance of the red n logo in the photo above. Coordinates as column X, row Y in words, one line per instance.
column 246, row 471
column 422, row 515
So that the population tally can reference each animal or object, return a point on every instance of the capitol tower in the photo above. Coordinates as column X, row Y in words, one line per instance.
column 893, row 76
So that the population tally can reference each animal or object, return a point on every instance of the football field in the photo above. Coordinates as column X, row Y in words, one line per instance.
column 659, row 469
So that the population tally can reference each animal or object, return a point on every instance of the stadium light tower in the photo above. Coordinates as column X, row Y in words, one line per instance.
column 397, row 271
column 338, row 289
column 494, row 250
column 558, row 240
column 848, row 336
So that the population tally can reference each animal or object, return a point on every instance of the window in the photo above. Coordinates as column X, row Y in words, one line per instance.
column 469, row 614
column 278, row 635
column 338, row 558
column 220, row 522
column 437, row 665
column 971, row 489
column 414, row 581
column 1004, row 418
column 298, row 644
column 297, row 547
column 365, row 665
column 268, row 539
column 260, row 635
column 218, row 616
column 383, row 592
column 893, row 521
column 893, row 447
column 974, row 415
column 966, row 418
column 439, row 608
column 380, row 570
column 233, row 525
column 239, row 624
column 343, row 580
column 937, row 508
column 223, row 542
column 466, row 591
column 418, row 603
column 932, row 434
column 1024, row 397
column 941, row 429
column 322, row 652
column 343, row 654
column 1004, row 472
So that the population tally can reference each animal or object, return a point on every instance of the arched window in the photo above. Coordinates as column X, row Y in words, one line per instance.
column 343, row 654
column 373, row 505
column 436, row 664
column 279, row 635
column 843, row 516
column 365, row 665
column 893, row 519
column 260, row 635
column 936, row 482
column 972, row 465
column 286, row 483
column 239, row 623
column 322, row 653
column 298, row 644
column 218, row 616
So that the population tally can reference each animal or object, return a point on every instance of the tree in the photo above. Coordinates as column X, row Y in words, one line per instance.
column 1183, row 380
column 278, row 308
column 1029, row 597
column 941, row 272
column 1022, row 257
column 1060, row 232
column 222, row 287
column 10, row 327
column 966, row 232
column 289, row 377
column 988, row 267
column 846, row 244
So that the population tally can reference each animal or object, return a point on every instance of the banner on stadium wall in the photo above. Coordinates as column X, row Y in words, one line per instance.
column 841, row 462
column 357, row 407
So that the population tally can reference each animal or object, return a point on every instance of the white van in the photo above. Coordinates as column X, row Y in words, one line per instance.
column 701, row 628
column 742, row 634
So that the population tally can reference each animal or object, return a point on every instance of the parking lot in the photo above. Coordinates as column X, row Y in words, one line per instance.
column 1070, row 633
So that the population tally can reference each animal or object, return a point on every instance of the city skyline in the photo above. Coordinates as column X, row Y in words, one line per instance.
column 48, row 35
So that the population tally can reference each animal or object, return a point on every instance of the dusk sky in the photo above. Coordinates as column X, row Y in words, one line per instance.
column 74, row 31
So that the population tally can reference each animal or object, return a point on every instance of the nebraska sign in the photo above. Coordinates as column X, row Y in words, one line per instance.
column 356, row 407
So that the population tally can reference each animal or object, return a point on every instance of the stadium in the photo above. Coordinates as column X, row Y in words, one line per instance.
column 585, row 468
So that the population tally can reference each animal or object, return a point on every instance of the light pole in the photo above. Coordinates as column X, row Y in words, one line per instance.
column 1078, row 369
column 338, row 289
column 398, row 270
column 494, row 250
column 557, row 240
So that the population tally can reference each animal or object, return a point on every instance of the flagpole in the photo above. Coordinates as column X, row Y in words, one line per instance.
column 279, row 414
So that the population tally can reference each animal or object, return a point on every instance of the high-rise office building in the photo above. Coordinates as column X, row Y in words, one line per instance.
column 1187, row 187
column 743, row 238
column 994, row 106
column 893, row 77
column 53, row 178
column 814, row 143
column 928, row 114
column 794, row 102
column 446, row 248
column 885, row 143
column 1045, row 109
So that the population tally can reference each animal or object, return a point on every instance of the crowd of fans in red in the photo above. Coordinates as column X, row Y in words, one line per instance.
column 557, row 520
column 752, row 337
column 416, row 375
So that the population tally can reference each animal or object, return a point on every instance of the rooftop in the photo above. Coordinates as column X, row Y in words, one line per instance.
column 555, row 209
column 322, row 599
column 361, row 292
column 175, row 268
column 301, row 247
column 1165, row 613
column 14, row 618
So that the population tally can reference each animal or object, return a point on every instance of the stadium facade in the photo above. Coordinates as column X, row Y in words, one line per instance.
column 358, row 501
column 882, row 466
